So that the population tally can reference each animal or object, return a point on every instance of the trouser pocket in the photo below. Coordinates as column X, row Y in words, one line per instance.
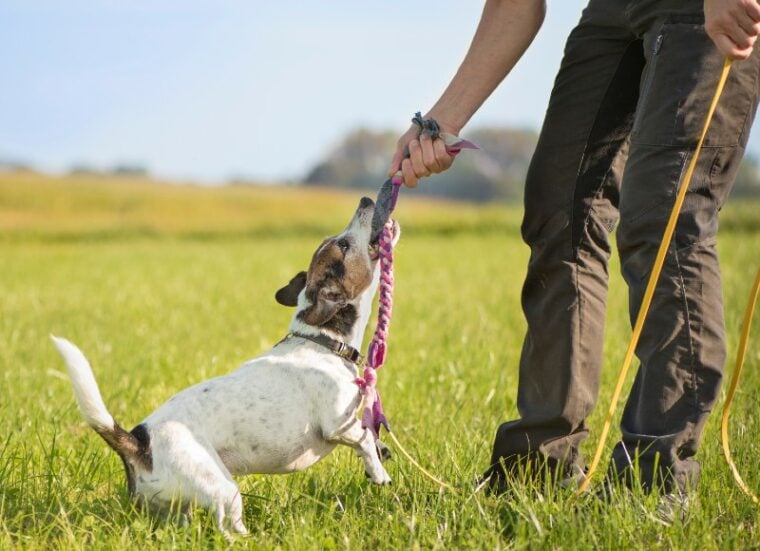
column 683, row 67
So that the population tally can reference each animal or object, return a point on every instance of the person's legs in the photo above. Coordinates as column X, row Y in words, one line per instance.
column 571, row 200
column 682, row 350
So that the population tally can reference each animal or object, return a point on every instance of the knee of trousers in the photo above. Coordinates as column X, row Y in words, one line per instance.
column 638, row 240
column 548, row 208
column 562, row 210
column 546, row 222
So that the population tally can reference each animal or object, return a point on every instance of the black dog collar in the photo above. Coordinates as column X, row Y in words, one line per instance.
column 339, row 348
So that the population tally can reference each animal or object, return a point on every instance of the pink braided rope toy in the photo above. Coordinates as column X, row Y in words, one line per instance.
column 373, row 416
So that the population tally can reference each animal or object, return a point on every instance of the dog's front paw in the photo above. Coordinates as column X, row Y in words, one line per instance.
column 380, row 477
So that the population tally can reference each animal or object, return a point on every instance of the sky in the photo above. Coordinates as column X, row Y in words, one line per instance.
column 208, row 91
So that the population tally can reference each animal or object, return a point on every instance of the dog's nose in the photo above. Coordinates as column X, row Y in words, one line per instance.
column 366, row 202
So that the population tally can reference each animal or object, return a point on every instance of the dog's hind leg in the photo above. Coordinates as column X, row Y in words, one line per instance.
column 199, row 475
column 224, row 499
column 363, row 443
column 228, row 510
column 236, row 514
column 219, row 519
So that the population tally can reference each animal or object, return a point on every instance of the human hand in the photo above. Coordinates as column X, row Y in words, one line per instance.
column 426, row 156
column 733, row 25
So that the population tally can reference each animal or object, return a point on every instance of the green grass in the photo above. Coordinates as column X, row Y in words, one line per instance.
column 163, row 286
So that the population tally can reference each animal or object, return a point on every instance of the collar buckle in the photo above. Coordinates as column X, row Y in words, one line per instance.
column 351, row 354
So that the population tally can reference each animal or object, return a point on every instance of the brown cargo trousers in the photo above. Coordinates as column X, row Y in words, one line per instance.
column 624, row 117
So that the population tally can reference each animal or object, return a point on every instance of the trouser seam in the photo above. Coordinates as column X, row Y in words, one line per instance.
column 740, row 140
column 577, row 334
column 690, row 340
column 591, row 208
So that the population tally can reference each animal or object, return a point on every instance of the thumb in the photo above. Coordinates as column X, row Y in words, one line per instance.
column 395, row 163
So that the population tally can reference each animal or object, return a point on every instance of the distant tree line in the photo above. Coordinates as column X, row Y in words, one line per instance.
column 130, row 170
column 495, row 173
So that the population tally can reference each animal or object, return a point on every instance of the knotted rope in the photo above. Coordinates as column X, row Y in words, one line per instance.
column 373, row 416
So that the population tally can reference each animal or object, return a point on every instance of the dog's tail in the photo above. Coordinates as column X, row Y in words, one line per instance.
column 134, row 447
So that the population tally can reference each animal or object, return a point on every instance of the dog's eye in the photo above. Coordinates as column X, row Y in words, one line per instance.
column 343, row 245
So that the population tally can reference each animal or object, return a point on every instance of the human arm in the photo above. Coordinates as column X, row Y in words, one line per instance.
column 506, row 29
column 733, row 25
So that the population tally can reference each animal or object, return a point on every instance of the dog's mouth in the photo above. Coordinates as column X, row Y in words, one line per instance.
column 374, row 250
column 374, row 245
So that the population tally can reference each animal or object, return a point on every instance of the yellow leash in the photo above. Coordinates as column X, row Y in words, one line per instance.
column 406, row 454
column 654, row 276
column 740, row 355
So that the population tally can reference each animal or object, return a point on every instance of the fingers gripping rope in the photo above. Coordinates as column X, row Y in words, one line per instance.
column 388, row 195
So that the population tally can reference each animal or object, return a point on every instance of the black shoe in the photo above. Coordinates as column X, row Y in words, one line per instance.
column 493, row 481
column 573, row 479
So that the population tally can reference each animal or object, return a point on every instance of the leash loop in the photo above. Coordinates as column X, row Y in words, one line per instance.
column 740, row 356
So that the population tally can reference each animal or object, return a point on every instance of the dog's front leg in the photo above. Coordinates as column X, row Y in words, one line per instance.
column 362, row 442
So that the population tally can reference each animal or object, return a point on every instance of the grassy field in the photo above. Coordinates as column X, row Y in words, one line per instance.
column 163, row 286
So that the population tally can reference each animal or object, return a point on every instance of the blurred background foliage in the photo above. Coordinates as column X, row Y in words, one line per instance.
column 359, row 161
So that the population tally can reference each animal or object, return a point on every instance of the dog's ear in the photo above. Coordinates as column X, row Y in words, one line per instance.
column 288, row 295
column 325, row 305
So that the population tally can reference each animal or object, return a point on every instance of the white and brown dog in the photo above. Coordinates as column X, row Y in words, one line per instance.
column 278, row 413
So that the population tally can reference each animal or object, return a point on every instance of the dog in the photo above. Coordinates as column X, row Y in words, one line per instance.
column 278, row 413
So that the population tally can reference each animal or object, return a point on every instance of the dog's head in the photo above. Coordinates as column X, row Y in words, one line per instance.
column 340, row 271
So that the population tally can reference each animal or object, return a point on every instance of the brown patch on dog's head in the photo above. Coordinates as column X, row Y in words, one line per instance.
column 339, row 272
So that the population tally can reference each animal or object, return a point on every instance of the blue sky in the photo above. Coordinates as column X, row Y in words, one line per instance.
column 210, row 90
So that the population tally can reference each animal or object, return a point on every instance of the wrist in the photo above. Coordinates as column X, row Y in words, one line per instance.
column 447, row 122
